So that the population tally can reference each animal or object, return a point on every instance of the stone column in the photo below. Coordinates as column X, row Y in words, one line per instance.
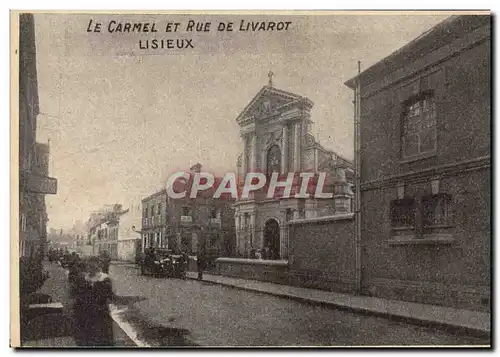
column 263, row 162
column 297, row 143
column 252, row 230
column 253, row 160
column 311, row 209
column 284, row 237
column 237, row 226
column 244, row 163
column 284, row 150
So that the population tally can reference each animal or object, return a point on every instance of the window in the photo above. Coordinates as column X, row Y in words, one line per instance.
column 436, row 210
column 424, row 216
column 403, row 213
column 273, row 160
column 186, row 211
column 145, row 211
column 247, row 220
column 152, row 210
column 213, row 212
column 419, row 134
column 159, row 209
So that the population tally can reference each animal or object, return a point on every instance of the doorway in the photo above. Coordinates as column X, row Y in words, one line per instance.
column 272, row 239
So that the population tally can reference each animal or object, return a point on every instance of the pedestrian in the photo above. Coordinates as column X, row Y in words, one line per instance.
column 75, row 275
column 105, row 261
column 200, row 262
column 93, row 322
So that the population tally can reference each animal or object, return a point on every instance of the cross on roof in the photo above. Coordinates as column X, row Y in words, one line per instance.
column 270, row 75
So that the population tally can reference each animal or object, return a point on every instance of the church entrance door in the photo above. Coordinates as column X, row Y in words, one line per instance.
column 272, row 239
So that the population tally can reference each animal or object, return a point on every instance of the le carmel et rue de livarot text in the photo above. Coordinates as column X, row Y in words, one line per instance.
column 188, row 26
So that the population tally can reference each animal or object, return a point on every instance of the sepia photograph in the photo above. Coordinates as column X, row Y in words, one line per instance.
column 251, row 179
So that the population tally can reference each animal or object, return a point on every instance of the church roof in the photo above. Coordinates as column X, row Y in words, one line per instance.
column 269, row 91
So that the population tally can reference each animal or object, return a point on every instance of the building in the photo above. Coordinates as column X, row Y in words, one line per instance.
column 154, row 220
column 425, row 179
column 185, row 224
column 34, row 182
column 276, row 131
column 107, row 238
column 203, row 222
column 129, row 235
column 103, row 229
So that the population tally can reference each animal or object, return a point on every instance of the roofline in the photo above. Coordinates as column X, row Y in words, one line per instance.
column 164, row 190
column 263, row 89
column 410, row 46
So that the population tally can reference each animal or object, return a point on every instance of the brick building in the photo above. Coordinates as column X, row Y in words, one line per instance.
column 186, row 224
column 425, row 167
column 154, row 220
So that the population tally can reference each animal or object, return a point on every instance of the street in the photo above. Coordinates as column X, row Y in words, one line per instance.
column 188, row 312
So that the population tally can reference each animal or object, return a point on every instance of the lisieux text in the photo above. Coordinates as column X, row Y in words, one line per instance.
column 190, row 26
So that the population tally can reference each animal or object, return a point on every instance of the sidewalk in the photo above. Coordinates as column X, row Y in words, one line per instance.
column 466, row 321
column 57, row 287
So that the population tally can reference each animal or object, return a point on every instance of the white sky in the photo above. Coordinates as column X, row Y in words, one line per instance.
column 125, row 118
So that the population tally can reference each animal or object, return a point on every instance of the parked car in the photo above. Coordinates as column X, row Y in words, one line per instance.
column 157, row 262
column 179, row 266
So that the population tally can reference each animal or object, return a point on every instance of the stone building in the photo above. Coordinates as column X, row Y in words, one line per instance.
column 276, row 131
column 426, row 167
column 34, row 182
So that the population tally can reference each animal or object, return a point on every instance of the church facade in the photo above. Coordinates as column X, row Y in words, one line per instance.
column 275, row 129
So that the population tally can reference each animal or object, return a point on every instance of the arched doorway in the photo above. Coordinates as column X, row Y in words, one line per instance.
column 272, row 239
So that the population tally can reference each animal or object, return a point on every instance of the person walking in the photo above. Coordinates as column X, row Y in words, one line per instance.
column 105, row 261
column 200, row 263
column 93, row 322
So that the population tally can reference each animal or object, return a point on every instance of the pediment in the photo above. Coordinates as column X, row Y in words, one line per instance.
column 267, row 102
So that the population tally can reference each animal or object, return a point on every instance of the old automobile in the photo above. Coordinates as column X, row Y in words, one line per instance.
column 157, row 262
column 179, row 266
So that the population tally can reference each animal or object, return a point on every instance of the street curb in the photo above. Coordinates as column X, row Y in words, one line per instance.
column 454, row 329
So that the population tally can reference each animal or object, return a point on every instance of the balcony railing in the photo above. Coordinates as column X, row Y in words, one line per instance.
column 186, row 219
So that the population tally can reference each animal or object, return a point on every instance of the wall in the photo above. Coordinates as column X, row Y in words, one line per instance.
column 322, row 253
column 321, row 256
column 456, row 273
column 253, row 269
column 127, row 250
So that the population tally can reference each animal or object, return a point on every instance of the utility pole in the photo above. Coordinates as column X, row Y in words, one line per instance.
column 357, row 193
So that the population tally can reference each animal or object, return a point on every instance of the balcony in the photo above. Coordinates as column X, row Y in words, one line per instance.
column 186, row 220
column 30, row 182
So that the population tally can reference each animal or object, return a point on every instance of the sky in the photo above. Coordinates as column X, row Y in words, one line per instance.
column 120, row 119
